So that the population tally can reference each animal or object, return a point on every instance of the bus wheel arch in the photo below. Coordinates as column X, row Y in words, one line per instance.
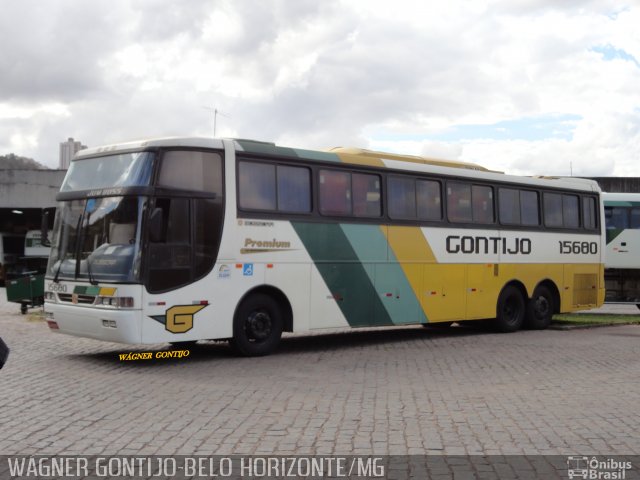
column 259, row 320
column 511, row 307
column 543, row 304
column 280, row 298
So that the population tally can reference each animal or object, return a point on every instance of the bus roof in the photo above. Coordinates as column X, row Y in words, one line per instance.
column 194, row 142
column 348, row 155
column 622, row 198
column 360, row 152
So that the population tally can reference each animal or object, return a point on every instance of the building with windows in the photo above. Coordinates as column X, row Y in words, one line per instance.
column 67, row 150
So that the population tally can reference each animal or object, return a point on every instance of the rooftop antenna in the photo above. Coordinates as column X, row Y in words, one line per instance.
column 216, row 112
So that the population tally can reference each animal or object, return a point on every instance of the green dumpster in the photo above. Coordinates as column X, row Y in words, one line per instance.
column 28, row 291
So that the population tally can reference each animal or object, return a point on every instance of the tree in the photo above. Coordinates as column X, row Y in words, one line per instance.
column 13, row 161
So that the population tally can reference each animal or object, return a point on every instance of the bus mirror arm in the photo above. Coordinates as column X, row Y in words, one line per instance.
column 155, row 225
column 44, row 230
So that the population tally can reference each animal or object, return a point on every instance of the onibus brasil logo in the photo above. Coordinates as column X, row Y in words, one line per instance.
column 595, row 469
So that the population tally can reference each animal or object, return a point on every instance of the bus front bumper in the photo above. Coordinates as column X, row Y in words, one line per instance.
column 111, row 325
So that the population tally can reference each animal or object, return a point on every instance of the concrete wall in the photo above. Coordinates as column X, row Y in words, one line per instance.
column 29, row 188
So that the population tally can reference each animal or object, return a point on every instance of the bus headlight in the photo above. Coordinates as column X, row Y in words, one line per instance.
column 116, row 302
column 49, row 297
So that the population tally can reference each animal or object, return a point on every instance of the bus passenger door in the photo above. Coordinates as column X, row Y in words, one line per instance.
column 444, row 296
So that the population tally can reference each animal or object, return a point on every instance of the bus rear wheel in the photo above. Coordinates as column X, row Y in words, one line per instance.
column 257, row 326
column 510, row 310
column 540, row 309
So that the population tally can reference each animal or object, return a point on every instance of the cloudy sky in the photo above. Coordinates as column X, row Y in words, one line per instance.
column 523, row 86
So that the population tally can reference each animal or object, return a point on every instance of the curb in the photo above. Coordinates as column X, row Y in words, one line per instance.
column 589, row 325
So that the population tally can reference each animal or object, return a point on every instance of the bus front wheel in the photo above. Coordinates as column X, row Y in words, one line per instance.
column 540, row 309
column 257, row 326
column 510, row 310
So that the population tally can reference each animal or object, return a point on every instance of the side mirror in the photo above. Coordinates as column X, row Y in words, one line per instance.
column 4, row 353
column 44, row 230
column 155, row 225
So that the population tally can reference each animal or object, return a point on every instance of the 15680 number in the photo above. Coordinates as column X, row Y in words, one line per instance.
column 567, row 247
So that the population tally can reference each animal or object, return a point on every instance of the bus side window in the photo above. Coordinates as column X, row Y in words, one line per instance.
column 401, row 194
column 509, row 206
column 428, row 200
column 294, row 189
column 482, row 204
column 459, row 202
column 335, row 193
column 529, row 209
column 552, row 209
column 207, row 234
column 366, row 195
column 570, row 211
column 170, row 257
column 616, row 218
column 635, row 218
column 589, row 219
column 256, row 186
column 192, row 170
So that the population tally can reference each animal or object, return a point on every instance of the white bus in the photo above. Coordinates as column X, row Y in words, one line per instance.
column 183, row 239
column 33, row 247
column 622, row 259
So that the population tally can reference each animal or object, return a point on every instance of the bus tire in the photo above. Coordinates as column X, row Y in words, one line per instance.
column 510, row 311
column 257, row 326
column 540, row 309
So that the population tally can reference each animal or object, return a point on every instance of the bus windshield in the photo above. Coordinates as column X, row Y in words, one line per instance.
column 97, row 239
column 121, row 170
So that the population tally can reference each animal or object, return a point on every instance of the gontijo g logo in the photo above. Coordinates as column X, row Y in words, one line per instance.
column 179, row 318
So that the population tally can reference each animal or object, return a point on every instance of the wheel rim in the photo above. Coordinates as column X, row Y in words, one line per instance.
column 541, row 307
column 258, row 325
column 511, row 310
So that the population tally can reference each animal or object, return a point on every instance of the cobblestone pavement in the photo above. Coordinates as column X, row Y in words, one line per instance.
column 390, row 391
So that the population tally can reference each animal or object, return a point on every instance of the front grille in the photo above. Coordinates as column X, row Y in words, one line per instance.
column 83, row 299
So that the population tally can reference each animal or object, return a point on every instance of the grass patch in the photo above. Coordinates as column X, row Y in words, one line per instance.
column 594, row 319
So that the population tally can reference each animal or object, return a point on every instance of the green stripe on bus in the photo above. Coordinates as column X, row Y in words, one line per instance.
column 348, row 280
column 620, row 203
column 392, row 286
column 320, row 156
column 612, row 233
column 271, row 149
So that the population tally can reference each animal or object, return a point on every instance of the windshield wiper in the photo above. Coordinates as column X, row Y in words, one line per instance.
column 55, row 277
column 91, row 280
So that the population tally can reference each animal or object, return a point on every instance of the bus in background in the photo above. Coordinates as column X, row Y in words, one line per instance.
column 622, row 259
column 36, row 255
column 33, row 247
column 186, row 239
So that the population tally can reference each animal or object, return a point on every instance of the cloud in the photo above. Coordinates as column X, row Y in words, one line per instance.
column 454, row 79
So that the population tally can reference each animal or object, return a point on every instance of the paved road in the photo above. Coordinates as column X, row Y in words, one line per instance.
column 399, row 391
